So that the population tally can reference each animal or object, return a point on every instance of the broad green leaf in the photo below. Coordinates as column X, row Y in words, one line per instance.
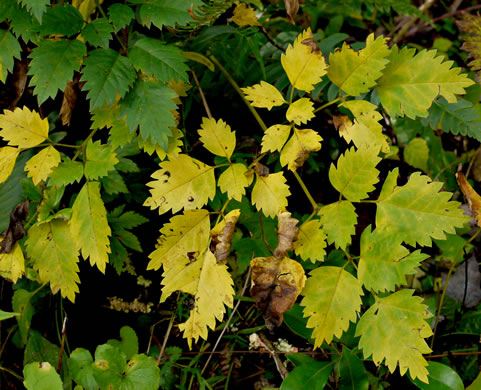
column 234, row 181
column 108, row 367
column 149, row 106
column 211, row 285
column 181, row 183
column 81, row 367
column 159, row 60
column 352, row 372
column 49, row 245
column 100, row 159
column 40, row 166
column 366, row 129
column 441, row 377
column 12, row 265
column 36, row 7
column 217, row 137
column 41, row 376
column 23, row 128
column 8, row 156
column 275, row 137
column 53, row 65
column 416, row 154
column 418, row 211
column 141, row 373
column 309, row 375
column 113, row 183
column 130, row 220
column 9, row 49
column 356, row 173
column 165, row 13
column 299, row 148
column 411, row 82
column 107, row 74
column 61, row 20
column 264, row 95
column 332, row 298
column 338, row 221
column 128, row 344
column 183, row 235
column 270, row 193
column 311, row 241
column 89, row 227
column 476, row 385
column 21, row 303
column 98, row 33
column 109, row 116
column 399, row 320
column 383, row 254
column 301, row 111
column 23, row 24
column 357, row 72
column 303, row 67
column 67, row 172
column 38, row 348
column 4, row 315
column 120, row 15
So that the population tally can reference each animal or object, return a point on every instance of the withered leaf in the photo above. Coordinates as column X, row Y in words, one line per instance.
column 261, row 170
column 473, row 198
column 15, row 230
column 287, row 232
column 222, row 236
column 69, row 101
column 341, row 122
column 19, row 82
column 292, row 7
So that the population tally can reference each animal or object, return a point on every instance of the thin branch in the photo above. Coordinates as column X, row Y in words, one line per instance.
column 407, row 23
column 202, row 96
column 279, row 365
column 269, row 38
column 306, row 192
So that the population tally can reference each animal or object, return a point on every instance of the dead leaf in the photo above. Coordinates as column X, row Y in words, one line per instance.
column 477, row 166
column 222, row 236
column 292, row 7
column 15, row 230
column 262, row 170
column 19, row 82
column 341, row 123
column 311, row 42
column 287, row 232
column 69, row 101
column 473, row 198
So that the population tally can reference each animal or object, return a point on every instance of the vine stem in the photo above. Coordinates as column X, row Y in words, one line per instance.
column 443, row 294
column 241, row 94
column 306, row 191
column 12, row 373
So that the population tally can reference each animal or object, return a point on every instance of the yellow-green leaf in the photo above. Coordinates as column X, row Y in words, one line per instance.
column 8, row 156
column 301, row 111
column 23, row 128
column 270, row 193
column 416, row 154
column 181, row 182
column 233, row 181
column 311, row 241
column 338, row 221
column 89, row 226
column 299, row 148
column 275, row 137
column 217, row 137
column 244, row 16
column 303, row 67
column 264, row 95
column 100, row 160
column 174, row 145
column 40, row 166
column 12, row 264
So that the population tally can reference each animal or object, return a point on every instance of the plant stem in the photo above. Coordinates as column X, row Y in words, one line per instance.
column 82, row 147
column 306, row 191
column 202, row 96
column 330, row 103
column 11, row 373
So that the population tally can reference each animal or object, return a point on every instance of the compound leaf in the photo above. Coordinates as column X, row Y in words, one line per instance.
column 100, row 159
column 8, row 156
column 275, row 137
column 338, row 221
column 182, row 182
column 89, row 226
column 233, row 181
column 36, row 7
column 299, row 148
column 165, row 13
column 120, row 15
column 23, row 128
column 40, row 166
column 270, row 193
column 399, row 320
column 264, row 95
column 217, row 137
column 311, row 241
column 67, row 172
column 9, row 49
column 61, row 20
column 332, row 298
column 49, row 245
column 98, row 33
column 12, row 264
column 301, row 111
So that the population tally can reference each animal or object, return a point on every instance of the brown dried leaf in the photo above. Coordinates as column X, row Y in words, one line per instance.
column 477, row 166
column 292, row 7
column 276, row 283
column 341, row 123
column 262, row 170
column 19, row 82
column 222, row 236
column 287, row 232
column 69, row 101
column 473, row 198
column 15, row 230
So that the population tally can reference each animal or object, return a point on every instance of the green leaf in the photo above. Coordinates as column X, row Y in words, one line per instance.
column 36, row 7
column 165, row 13
column 441, row 377
column 296, row 322
column 114, row 184
column 130, row 219
column 332, row 298
column 393, row 329
column 23, row 24
column 312, row 375
column 418, row 211
column 9, row 49
column 120, row 15
column 476, row 385
column 38, row 348
column 357, row 72
column 49, row 245
column 338, row 221
column 141, row 373
column 21, row 303
column 67, row 172
column 411, row 82
column 148, row 106
column 98, row 33
column 383, row 254
column 129, row 343
column 80, row 364
column 61, row 20
column 108, row 367
column 352, row 372
column 89, row 226
column 159, row 60
column 107, row 74
column 416, row 154
column 356, row 173
column 4, row 315
column 128, row 239
column 41, row 376
column 100, row 159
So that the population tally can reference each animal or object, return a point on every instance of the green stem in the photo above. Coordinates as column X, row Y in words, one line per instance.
column 451, row 270
column 241, row 94
column 306, row 191
column 63, row 145
column 82, row 147
column 330, row 103
column 11, row 373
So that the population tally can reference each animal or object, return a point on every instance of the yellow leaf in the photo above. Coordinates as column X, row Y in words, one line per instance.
column 304, row 67
column 300, row 111
column 244, row 16
column 40, row 166
column 311, row 241
column 234, row 181
column 299, row 148
column 222, row 235
column 12, row 264
column 270, row 194
column 264, row 95
column 275, row 137
column 23, row 128
column 366, row 129
column 173, row 149
column 211, row 285
column 181, row 182
column 184, row 234
column 86, row 7
column 8, row 156
column 217, row 137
